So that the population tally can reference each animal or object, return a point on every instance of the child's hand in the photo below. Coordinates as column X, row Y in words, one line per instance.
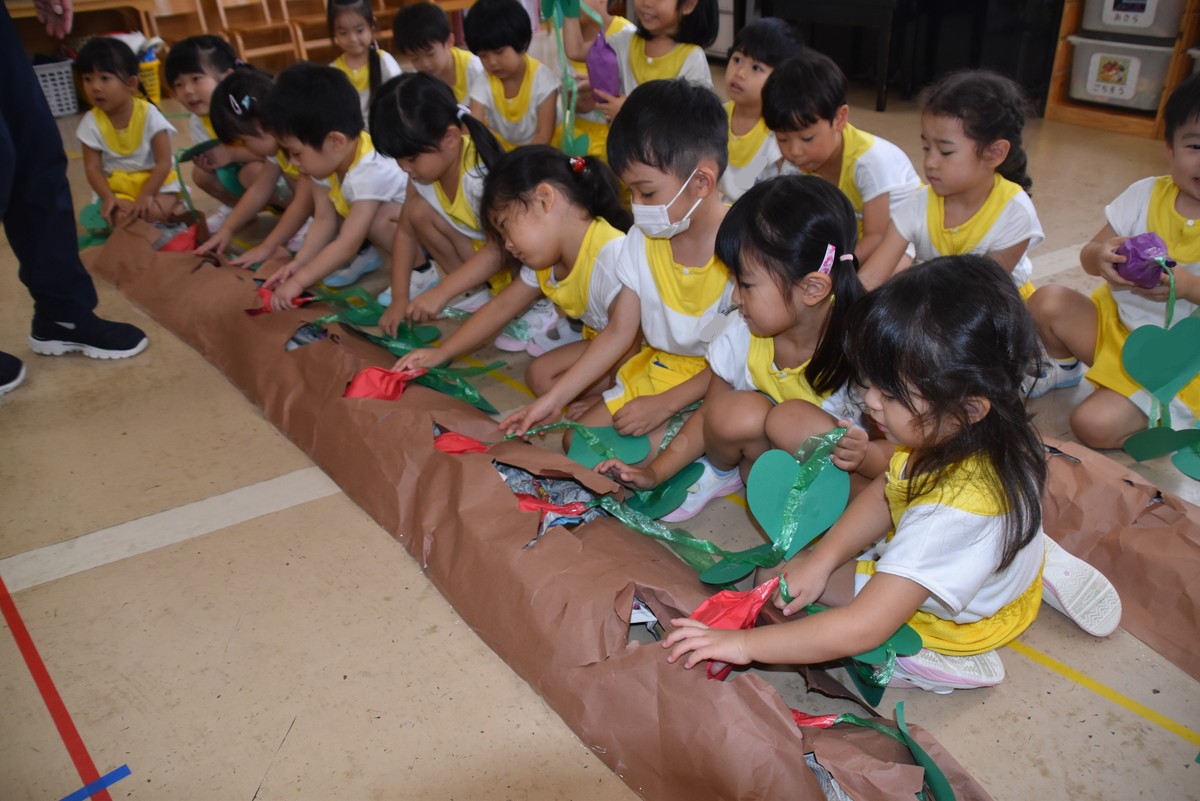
column 806, row 581
column 425, row 308
column 638, row 478
column 282, row 274
column 284, row 294
column 527, row 417
column 699, row 642
column 393, row 316
column 585, row 101
column 204, row 162
column 251, row 257
column 851, row 449
column 640, row 416
column 608, row 104
column 1162, row 292
column 143, row 208
column 218, row 157
column 218, row 243
column 421, row 357
column 109, row 209
column 1108, row 261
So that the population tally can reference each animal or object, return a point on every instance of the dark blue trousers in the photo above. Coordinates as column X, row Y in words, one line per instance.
column 35, row 198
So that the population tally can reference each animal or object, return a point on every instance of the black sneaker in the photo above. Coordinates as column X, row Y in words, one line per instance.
column 94, row 338
column 12, row 372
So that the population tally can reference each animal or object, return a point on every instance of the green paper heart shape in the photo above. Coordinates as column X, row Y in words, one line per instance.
column 767, row 488
column 732, row 568
column 629, row 450
column 1155, row 442
column 1188, row 462
column 667, row 496
column 1163, row 360
column 91, row 218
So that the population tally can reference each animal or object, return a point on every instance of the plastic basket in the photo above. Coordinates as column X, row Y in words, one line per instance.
column 58, row 84
column 148, row 73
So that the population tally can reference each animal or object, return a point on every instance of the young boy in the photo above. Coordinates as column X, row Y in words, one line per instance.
column 669, row 145
column 757, row 50
column 421, row 35
column 1078, row 331
column 519, row 98
column 314, row 113
column 804, row 103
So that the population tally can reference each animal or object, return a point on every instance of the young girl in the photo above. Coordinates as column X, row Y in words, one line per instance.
column 668, row 42
column 446, row 153
column 352, row 29
column 237, row 119
column 780, row 373
column 955, row 524
column 194, row 68
column 590, row 120
column 563, row 215
column 126, row 140
column 977, row 199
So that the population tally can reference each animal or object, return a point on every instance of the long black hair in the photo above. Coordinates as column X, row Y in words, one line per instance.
column 991, row 107
column 944, row 332
column 235, row 108
column 411, row 113
column 107, row 54
column 585, row 181
column 362, row 8
column 786, row 226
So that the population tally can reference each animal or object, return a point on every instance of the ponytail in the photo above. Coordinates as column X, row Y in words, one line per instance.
column 374, row 73
column 411, row 112
column 487, row 147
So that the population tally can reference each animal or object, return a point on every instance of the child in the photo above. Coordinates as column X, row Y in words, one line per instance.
column 126, row 140
column 314, row 113
column 780, row 373
column 956, row 521
column 421, row 35
column 804, row 103
column 1076, row 331
column 977, row 200
column 236, row 116
column 519, row 98
column 669, row 146
column 757, row 50
column 352, row 29
column 589, row 119
column 194, row 68
column 563, row 215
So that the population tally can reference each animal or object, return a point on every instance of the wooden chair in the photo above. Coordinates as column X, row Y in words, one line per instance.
column 255, row 33
column 175, row 20
column 311, row 30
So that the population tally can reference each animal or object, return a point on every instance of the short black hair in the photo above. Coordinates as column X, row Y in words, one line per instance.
column 310, row 102
column 235, row 108
column 1183, row 106
column 769, row 40
column 805, row 88
column 210, row 55
column 107, row 54
column 418, row 26
column 495, row 24
column 670, row 126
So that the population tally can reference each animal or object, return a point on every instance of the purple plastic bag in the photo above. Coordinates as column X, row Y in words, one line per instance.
column 602, row 67
column 1145, row 257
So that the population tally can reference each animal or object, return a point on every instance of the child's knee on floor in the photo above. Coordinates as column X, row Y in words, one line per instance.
column 1105, row 419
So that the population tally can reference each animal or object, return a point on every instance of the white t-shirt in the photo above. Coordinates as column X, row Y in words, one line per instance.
column 694, row 68
column 140, row 159
column 1127, row 216
column 197, row 131
column 602, row 290
column 373, row 177
column 472, row 184
column 361, row 78
column 736, row 181
column 1016, row 223
column 520, row 131
column 884, row 168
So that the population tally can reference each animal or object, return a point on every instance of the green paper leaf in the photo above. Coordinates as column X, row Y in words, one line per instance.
column 767, row 488
column 190, row 153
column 91, row 218
column 738, row 565
column 870, row 693
column 1188, row 462
column 667, row 496
column 1163, row 360
column 934, row 778
column 629, row 450
column 1155, row 442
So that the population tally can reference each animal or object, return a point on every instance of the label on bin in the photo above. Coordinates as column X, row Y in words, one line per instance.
column 1113, row 77
column 1129, row 13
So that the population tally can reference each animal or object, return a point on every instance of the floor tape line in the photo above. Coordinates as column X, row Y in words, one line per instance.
column 1104, row 691
column 104, row 782
column 78, row 752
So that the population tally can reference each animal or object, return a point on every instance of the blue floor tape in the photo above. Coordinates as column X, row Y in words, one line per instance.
column 87, row 791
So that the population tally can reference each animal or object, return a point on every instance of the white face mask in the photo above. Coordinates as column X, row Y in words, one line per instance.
column 655, row 221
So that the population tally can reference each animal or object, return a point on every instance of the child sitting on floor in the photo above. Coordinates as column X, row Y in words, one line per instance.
column 421, row 36
column 352, row 30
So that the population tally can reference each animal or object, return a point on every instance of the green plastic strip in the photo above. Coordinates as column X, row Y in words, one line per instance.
column 697, row 553
column 517, row 329
column 1160, row 413
column 870, row 724
column 935, row 779
column 813, row 456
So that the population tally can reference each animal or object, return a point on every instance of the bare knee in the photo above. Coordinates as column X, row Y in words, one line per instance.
column 541, row 374
column 792, row 422
column 736, row 417
column 1106, row 420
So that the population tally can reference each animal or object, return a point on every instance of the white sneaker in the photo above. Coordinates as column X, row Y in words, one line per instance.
column 711, row 484
column 215, row 220
column 384, row 298
column 368, row 260
column 537, row 320
column 297, row 241
column 422, row 281
column 1053, row 375
column 472, row 301
column 1080, row 591
column 943, row 674
column 561, row 334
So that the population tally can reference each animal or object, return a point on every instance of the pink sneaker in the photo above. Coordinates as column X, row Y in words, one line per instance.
column 711, row 484
column 540, row 318
column 1080, row 591
column 943, row 674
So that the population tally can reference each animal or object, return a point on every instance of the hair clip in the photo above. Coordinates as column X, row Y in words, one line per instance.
column 827, row 262
column 462, row 111
column 578, row 163
column 237, row 107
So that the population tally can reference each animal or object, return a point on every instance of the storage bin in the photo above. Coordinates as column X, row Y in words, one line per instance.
column 1118, row 73
column 148, row 73
column 58, row 84
column 1160, row 18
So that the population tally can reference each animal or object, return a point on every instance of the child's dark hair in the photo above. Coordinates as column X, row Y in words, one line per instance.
column 802, row 90
column 411, row 113
column 310, row 102
column 107, row 54
column 769, row 40
column 670, row 126
column 946, row 331
column 1183, row 106
column 787, row 227
column 496, row 24
column 418, row 26
column 210, row 55
column 699, row 26
column 991, row 107
column 235, row 108
column 585, row 181
column 363, row 9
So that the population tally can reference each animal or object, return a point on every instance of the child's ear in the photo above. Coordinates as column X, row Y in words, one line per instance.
column 133, row 82
column 335, row 140
column 687, row 7
column 449, row 43
column 451, row 137
column 841, row 118
column 995, row 153
column 706, row 177
column 543, row 196
column 977, row 408
column 815, row 288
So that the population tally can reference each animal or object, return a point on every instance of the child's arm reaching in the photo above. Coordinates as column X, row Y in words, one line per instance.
column 643, row 415
column 1009, row 256
column 256, row 196
column 573, row 44
column 545, row 120
column 876, row 219
column 485, row 263
column 883, row 261
column 93, row 168
column 299, row 210
column 340, row 250
column 320, row 233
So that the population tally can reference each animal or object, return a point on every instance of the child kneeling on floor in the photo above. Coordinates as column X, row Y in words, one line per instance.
column 952, row 532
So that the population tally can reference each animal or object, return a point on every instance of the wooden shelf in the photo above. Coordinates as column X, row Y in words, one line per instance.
column 1062, row 107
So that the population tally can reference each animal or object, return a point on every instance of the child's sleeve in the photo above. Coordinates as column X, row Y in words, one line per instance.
column 479, row 90
column 388, row 66
column 885, row 169
column 88, row 132
column 695, row 68
column 1127, row 213
column 529, row 277
column 156, row 122
column 1018, row 222
column 196, row 130
column 377, row 179
column 545, row 83
column 729, row 353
